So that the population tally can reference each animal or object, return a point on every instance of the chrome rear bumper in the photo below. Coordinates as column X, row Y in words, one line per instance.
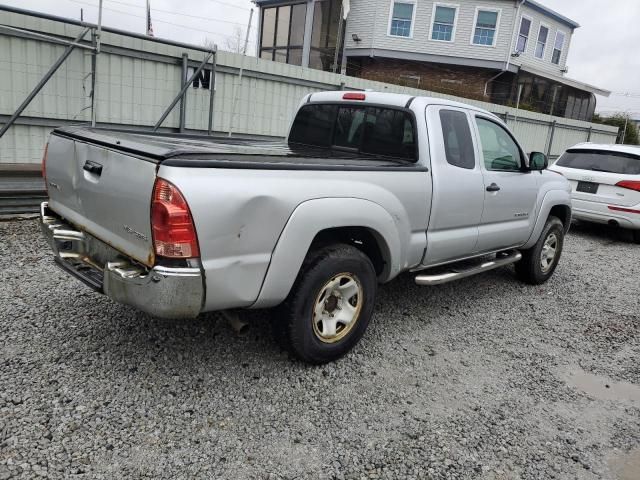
column 160, row 291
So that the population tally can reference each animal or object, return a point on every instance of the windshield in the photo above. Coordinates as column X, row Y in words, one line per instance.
column 601, row 161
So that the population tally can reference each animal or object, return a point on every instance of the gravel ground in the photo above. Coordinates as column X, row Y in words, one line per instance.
column 485, row 378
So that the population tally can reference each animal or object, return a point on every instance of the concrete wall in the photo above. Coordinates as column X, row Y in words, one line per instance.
column 138, row 77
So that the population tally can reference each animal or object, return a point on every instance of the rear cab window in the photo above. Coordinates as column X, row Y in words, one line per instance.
column 601, row 161
column 364, row 129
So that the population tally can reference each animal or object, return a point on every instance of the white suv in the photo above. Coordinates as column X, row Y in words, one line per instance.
column 605, row 184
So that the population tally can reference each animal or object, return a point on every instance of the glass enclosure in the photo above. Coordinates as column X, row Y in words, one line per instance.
column 283, row 34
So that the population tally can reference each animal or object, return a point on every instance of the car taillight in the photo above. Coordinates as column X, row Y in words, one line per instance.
column 630, row 184
column 44, row 166
column 174, row 233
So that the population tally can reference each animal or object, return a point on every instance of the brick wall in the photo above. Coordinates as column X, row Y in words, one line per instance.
column 468, row 82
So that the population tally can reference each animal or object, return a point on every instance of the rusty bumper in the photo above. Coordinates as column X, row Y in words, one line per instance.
column 165, row 292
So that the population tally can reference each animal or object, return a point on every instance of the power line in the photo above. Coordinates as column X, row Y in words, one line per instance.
column 230, row 5
column 179, row 14
column 187, row 27
column 626, row 94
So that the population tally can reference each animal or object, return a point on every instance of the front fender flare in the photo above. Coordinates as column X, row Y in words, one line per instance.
column 551, row 199
column 314, row 216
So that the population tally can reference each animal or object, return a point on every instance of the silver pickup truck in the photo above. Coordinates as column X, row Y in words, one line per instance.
column 367, row 186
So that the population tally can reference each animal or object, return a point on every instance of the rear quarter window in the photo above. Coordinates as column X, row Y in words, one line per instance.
column 601, row 161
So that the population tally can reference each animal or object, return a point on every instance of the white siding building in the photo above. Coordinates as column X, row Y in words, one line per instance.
column 504, row 51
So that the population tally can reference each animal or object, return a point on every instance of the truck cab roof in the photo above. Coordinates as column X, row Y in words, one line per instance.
column 391, row 99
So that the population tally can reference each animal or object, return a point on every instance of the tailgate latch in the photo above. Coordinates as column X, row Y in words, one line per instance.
column 92, row 167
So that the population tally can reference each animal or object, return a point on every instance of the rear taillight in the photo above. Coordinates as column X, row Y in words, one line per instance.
column 44, row 166
column 174, row 233
column 630, row 184
column 354, row 96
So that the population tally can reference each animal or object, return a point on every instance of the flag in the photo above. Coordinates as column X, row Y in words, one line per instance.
column 346, row 7
column 149, row 26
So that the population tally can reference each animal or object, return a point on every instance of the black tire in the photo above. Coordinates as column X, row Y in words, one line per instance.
column 294, row 319
column 530, row 269
column 636, row 235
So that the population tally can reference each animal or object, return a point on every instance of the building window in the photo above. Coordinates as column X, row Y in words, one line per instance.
column 444, row 23
column 557, row 48
column 324, row 35
column 543, row 35
column 523, row 36
column 283, row 33
column 401, row 19
column 486, row 27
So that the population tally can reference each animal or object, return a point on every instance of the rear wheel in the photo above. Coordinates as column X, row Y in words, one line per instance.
column 329, row 306
column 539, row 262
column 636, row 235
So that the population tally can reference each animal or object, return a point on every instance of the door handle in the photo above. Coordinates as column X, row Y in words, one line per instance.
column 493, row 188
column 92, row 167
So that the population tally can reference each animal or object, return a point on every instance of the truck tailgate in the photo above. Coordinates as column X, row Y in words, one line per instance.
column 103, row 192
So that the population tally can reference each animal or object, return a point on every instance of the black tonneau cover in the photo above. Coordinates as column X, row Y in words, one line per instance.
column 216, row 152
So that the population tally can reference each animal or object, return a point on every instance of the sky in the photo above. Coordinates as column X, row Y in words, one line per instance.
column 605, row 50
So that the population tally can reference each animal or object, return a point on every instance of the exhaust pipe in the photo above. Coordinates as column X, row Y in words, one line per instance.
column 235, row 322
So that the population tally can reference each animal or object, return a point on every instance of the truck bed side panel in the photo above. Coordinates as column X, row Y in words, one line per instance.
column 240, row 215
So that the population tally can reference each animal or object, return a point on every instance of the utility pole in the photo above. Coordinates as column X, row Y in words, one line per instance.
column 520, row 86
column 624, row 132
column 338, row 41
column 246, row 38
column 237, row 88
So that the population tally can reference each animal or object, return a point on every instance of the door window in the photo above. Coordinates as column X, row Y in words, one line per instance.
column 500, row 152
column 458, row 145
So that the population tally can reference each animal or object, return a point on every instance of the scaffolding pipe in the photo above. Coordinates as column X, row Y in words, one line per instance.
column 237, row 89
column 212, row 89
column 70, row 48
column 183, row 81
column 99, row 26
column 182, row 91
column 45, row 37
column 94, row 68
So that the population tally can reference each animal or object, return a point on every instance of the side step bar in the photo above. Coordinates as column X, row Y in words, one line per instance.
column 501, row 260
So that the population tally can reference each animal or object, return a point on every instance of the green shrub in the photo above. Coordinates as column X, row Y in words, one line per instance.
column 618, row 120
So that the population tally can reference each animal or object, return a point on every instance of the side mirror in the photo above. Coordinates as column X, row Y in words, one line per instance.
column 538, row 161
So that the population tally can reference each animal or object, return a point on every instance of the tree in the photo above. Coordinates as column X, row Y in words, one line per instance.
column 631, row 137
column 209, row 44
column 235, row 42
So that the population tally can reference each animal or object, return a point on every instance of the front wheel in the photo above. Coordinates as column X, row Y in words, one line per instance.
column 539, row 262
column 329, row 306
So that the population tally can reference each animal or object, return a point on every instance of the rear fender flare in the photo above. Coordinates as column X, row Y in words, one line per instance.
column 314, row 216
